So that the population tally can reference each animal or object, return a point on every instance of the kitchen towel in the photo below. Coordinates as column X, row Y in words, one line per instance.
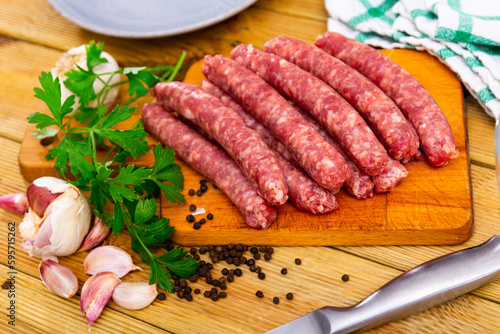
column 463, row 34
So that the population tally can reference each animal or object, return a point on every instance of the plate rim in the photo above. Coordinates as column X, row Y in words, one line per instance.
column 58, row 5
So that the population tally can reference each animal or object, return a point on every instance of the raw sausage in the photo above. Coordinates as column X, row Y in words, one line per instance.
column 319, row 159
column 392, row 175
column 322, row 102
column 211, row 161
column 304, row 192
column 414, row 101
column 223, row 124
column 382, row 115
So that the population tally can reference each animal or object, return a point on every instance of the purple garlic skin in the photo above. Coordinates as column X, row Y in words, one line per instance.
column 15, row 202
column 58, row 279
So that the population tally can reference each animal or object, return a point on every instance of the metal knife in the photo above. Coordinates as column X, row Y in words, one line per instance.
column 420, row 288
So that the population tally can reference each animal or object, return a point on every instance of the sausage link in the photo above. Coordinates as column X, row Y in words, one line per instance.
column 322, row 102
column 320, row 160
column 211, row 161
column 392, row 175
column 382, row 115
column 414, row 101
column 304, row 192
column 360, row 184
column 223, row 124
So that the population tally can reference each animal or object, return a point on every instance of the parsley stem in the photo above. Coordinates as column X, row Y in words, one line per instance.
column 94, row 149
column 177, row 67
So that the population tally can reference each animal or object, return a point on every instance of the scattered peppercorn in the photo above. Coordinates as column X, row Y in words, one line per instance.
column 203, row 221
column 289, row 296
column 240, row 247
column 214, row 297
column 253, row 250
column 203, row 188
column 269, row 250
column 284, row 271
column 190, row 218
column 199, row 193
column 267, row 256
column 215, row 186
column 203, row 250
column 276, row 300
column 188, row 289
column 262, row 276
column 197, row 225
column 202, row 181
column 256, row 256
column 192, row 208
column 6, row 285
column 188, row 297
column 161, row 296
column 238, row 272
column 191, row 192
column 181, row 294
column 193, row 279
column 298, row 261
column 259, row 294
column 210, row 216
column 206, row 294
column 230, row 278
column 193, row 250
column 225, row 271
column 197, row 291
column 183, row 284
column 345, row 278
column 222, row 294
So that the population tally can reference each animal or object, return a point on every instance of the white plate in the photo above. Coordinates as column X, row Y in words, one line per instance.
column 147, row 18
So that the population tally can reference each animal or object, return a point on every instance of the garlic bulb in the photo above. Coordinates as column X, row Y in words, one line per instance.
column 134, row 296
column 58, row 279
column 57, row 221
column 78, row 56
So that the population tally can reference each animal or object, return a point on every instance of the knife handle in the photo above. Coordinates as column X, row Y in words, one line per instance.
column 420, row 288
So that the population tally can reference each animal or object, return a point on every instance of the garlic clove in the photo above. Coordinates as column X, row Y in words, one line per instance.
column 98, row 233
column 15, row 202
column 39, row 198
column 109, row 258
column 58, row 279
column 96, row 293
column 134, row 296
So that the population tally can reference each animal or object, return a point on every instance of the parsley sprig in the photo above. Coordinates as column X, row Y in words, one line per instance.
column 127, row 189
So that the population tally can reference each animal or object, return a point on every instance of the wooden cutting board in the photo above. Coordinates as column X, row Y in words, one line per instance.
column 433, row 206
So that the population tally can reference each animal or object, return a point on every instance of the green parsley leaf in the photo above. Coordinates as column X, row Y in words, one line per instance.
column 93, row 52
column 160, row 275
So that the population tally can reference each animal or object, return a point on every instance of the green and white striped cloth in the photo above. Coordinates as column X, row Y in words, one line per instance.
column 464, row 34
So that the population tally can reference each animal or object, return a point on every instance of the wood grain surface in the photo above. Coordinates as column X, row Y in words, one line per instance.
column 33, row 37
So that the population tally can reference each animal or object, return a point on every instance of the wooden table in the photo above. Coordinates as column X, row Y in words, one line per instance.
column 33, row 37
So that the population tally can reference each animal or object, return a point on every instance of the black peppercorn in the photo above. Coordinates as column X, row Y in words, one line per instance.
column 253, row 250
column 203, row 250
column 192, row 208
column 345, row 278
column 262, row 276
column 197, row 291
column 190, row 218
column 256, row 256
column 188, row 297
column 215, row 186
column 267, row 256
column 269, row 250
column 203, row 221
column 202, row 181
column 250, row 262
column 191, row 192
column 276, row 300
column 210, row 216
column 199, row 193
column 298, row 261
column 188, row 289
column 238, row 272
column 183, row 284
column 177, row 288
column 222, row 294
column 193, row 278
column 284, row 271
column 206, row 294
column 259, row 294
column 203, row 188
column 289, row 296
column 214, row 297
column 230, row 278
column 225, row 271
column 181, row 294
column 193, row 251
column 161, row 296
column 197, row 225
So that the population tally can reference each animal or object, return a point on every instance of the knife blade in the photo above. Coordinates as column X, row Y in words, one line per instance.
column 425, row 286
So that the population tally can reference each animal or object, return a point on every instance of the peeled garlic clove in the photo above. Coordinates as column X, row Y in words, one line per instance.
column 96, row 293
column 78, row 57
column 109, row 258
column 134, row 296
column 98, row 233
column 15, row 202
column 58, row 279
